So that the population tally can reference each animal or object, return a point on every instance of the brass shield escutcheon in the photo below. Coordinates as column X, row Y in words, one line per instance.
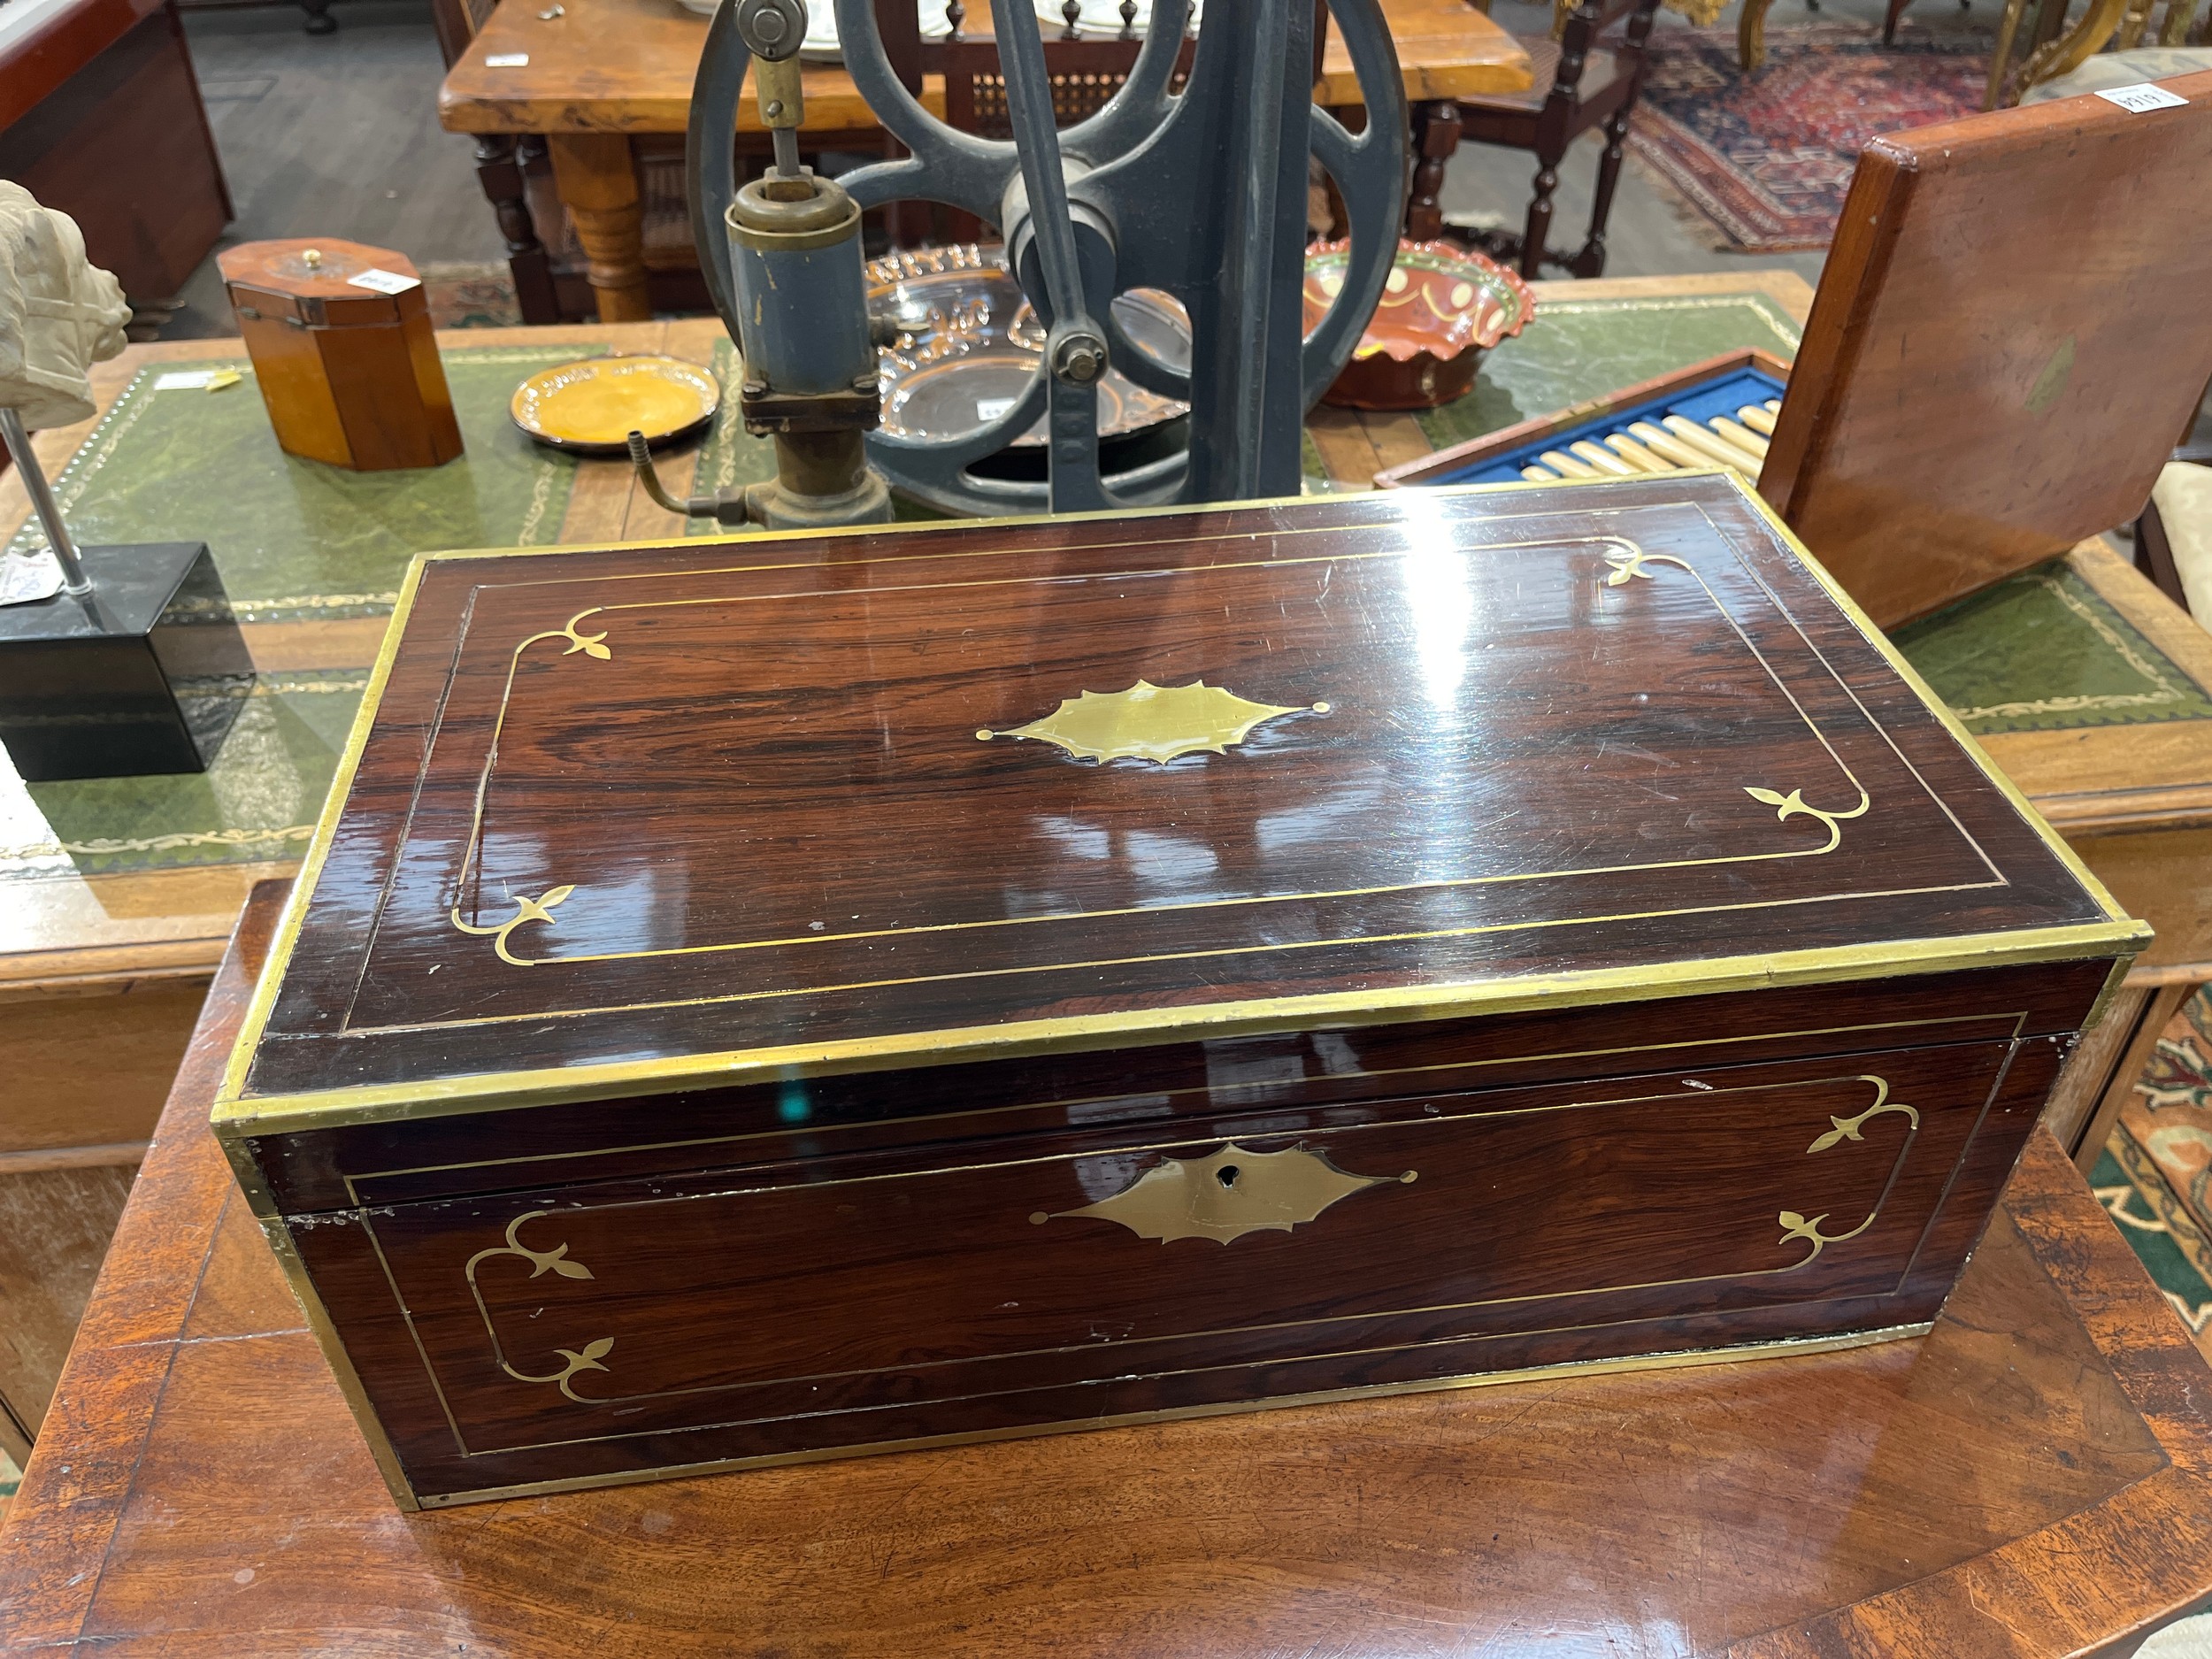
column 1149, row 722
column 1222, row 1197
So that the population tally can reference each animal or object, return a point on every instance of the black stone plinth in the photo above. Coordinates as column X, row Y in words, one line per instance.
column 143, row 674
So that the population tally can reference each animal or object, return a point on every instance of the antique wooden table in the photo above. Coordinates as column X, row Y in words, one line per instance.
column 116, row 898
column 606, row 75
column 2033, row 1477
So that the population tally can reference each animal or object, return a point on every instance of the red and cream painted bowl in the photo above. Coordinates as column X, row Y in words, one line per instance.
column 1441, row 308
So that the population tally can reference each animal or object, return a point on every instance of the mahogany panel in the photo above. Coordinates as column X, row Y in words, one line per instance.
column 41, row 59
column 742, row 805
column 799, row 1305
column 1922, row 457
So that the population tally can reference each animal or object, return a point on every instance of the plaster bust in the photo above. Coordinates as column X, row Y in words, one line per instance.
column 59, row 314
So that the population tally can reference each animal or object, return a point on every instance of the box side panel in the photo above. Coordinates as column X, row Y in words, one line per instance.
column 584, row 1333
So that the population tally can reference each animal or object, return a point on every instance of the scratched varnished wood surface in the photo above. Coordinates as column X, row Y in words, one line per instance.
column 2034, row 1478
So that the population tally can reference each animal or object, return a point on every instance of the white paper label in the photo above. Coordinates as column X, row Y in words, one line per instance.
column 992, row 408
column 507, row 60
column 2142, row 97
column 185, row 381
column 29, row 577
column 383, row 281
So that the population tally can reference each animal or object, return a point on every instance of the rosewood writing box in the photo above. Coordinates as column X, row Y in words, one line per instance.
column 794, row 996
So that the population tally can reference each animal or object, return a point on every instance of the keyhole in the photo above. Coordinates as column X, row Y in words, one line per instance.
column 1227, row 1175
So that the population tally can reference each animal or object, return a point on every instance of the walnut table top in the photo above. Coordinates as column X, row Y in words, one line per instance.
column 2034, row 1478
column 627, row 66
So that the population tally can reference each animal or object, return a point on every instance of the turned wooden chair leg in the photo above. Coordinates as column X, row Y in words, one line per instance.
column 500, row 173
column 2008, row 29
column 1536, row 233
column 598, row 179
column 1589, row 260
column 1435, row 140
column 1751, row 35
column 1889, row 20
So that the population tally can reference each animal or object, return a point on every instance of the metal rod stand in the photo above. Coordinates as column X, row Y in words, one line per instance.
column 74, row 581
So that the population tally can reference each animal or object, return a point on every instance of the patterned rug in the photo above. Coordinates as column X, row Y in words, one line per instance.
column 2155, row 1173
column 472, row 295
column 1766, row 158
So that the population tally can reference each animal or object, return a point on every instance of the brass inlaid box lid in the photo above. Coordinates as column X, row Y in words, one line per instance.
column 616, row 821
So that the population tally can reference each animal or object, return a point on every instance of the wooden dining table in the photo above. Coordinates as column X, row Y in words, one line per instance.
column 2032, row 1479
column 599, row 80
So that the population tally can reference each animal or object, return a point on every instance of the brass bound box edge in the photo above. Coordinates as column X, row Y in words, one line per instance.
column 235, row 1115
column 1785, row 1348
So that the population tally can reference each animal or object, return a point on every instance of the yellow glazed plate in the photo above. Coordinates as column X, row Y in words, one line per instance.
column 591, row 407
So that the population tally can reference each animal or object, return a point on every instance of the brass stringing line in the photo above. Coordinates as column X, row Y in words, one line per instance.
column 1389, row 520
column 1678, row 1359
column 441, row 705
column 532, row 912
column 1999, row 878
column 1634, row 568
column 2017, row 1017
column 290, row 1113
column 1193, row 955
column 261, row 1001
column 285, row 1247
column 1997, row 1083
column 414, row 1334
column 1072, row 578
column 1171, row 1146
column 527, row 909
column 534, row 909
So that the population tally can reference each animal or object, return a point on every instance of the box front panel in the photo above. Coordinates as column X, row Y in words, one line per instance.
column 873, row 1297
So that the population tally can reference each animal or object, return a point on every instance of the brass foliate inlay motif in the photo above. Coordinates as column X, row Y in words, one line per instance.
column 527, row 909
column 1149, row 722
column 1224, row 1196
column 573, row 1361
column 1807, row 1229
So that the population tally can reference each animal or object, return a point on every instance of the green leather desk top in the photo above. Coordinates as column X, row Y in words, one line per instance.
column 300, row 542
